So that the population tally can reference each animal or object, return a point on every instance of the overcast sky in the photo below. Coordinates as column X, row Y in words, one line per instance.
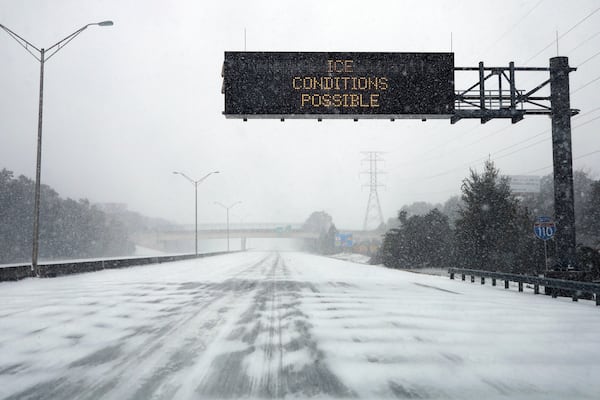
column 126, row 105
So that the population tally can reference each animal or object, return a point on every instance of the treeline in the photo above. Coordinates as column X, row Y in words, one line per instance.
column 321, row 223
column 489, row 228
column 68, row 228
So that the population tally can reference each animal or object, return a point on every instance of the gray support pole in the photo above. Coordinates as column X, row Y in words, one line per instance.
column 228, row 229
column 481, row 90
column 38, row 174
column 196, row 219
column 564, row 208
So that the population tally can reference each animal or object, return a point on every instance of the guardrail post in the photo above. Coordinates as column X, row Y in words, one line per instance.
column 554, row 292
column 520, row 286
column 536, row 289
column 472, row 278
column 576, row 295
column 505, row 284
column 597, row 295
column 462, row 276
column 493, row 281
column 451, row 275
column 483, row 280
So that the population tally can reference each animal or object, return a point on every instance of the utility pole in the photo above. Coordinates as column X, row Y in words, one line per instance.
column 373, row 212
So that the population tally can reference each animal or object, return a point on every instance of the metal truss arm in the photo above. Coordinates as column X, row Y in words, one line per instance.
column 24, row 43
column 486, row 101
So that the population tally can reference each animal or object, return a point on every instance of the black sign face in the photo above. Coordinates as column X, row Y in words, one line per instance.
column 338, row 85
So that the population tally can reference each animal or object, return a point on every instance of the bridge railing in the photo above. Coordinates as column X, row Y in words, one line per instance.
column 577, row 288
column 15, row 272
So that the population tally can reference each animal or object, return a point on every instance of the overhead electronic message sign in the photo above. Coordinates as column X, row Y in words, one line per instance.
column 338, row 85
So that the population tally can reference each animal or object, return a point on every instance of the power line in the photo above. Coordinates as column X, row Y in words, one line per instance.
column 550, row 166
column 584, row 42
column 486, row 136
column 579, row 65
column 513, row 26
column 419, row 157
column 585, row 85
column 548, row 130
column 586, row 122
column 539, row 141
column 496, row 156
column 522, row 148
column 463, row 147
column 592, row 57
column 460, row 168
column 587, row 154
column 593, row 110
column 563, row 35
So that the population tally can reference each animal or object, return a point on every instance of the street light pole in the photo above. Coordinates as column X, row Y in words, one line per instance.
column 38, row 171
column 227, row 208
column 195, row 183
column 40, row 55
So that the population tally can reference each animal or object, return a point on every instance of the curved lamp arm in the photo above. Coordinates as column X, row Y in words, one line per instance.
column 56, row 46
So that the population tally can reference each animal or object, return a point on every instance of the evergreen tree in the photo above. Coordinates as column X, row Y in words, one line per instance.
column 419, row 241
column 388, row 252
column 320, row 222
column 490, row 229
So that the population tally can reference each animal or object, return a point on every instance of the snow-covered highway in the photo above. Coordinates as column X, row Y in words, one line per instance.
column 272, row 325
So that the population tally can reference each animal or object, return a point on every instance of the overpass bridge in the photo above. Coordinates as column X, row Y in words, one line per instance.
column 168, row 239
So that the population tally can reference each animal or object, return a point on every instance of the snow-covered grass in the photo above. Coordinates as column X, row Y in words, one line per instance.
column 261, row 325
column 431, row 271
column 352, row 257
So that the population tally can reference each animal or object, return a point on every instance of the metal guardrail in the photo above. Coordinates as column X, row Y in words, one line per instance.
column 576, row 287
column 54, row 269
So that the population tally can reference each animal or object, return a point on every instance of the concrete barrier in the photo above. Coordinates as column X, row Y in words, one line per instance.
column 15, row 272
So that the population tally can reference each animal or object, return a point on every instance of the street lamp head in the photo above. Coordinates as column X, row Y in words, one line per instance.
column 105, row 23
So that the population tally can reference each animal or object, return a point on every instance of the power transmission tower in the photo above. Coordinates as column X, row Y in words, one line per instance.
column 373, row 215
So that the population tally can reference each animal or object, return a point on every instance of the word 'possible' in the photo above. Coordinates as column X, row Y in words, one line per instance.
column 339, row 90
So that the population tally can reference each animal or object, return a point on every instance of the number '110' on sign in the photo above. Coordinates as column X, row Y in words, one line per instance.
column 544, row 228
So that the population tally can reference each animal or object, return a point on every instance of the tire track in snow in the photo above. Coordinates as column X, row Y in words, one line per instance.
column 150, row 355
column 275, row 355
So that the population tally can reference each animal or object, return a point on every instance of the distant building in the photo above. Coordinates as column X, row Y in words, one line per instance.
column 524, row 184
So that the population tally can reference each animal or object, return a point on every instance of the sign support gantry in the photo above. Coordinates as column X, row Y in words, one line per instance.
column 481, row 102
column 353, row 85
